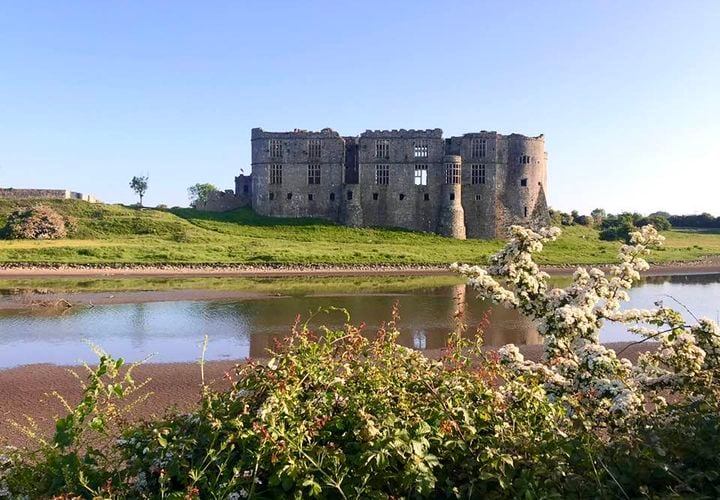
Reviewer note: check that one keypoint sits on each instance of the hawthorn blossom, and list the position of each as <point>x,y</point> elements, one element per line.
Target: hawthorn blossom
<point>569,319</point>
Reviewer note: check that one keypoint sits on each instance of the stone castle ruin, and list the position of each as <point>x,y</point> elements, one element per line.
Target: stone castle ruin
<point>470,186</point>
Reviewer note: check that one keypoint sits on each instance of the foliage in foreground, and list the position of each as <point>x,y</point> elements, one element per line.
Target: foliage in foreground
<point>339,415</point>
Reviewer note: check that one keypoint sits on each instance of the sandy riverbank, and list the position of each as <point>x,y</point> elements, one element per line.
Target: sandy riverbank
<point>25,391</point>
<point>26,271</point>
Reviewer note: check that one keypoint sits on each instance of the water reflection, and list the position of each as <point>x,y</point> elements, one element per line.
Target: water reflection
<point>240,329</point>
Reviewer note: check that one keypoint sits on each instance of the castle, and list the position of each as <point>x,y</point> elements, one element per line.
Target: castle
<point>470,186</point>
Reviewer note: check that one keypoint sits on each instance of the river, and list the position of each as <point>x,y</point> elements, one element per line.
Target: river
<point>172,331</point>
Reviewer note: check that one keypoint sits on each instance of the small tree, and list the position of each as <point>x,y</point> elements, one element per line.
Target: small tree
<point>599,215</point>
<point>199,193</point>
<point>139,184</point>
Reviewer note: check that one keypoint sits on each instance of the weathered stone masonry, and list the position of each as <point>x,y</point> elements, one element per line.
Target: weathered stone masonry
<point>471,186</point>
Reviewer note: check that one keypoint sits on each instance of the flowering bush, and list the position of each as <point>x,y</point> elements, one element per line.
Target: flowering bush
<point>606,394</point>
<point>335,414</point>
<point>36,223</point>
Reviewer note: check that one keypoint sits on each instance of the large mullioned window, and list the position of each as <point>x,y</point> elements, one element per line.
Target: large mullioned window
<point>314,148</point>
<point>313,174</point>
<point>382,174</point>
<point>382,148</point>
<point>452,173</point>
<point>421,175</point>
<point>275,147</point>
<point>275,174</point>
<point>477,174</point>
<point>421,148</point>
<point>478,148</point>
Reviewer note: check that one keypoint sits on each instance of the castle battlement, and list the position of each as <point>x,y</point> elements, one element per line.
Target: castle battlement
<point>403,133</point>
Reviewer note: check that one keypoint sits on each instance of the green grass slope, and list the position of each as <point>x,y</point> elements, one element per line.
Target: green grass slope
<point>114,234</point>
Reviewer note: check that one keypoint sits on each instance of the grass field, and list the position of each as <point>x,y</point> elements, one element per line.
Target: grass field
<point>113,234</point>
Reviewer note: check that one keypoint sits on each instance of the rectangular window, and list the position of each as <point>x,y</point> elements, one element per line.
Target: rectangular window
<point>452,173</point>
<point>477,174</point>
<point>310,197</point>
<point>272,196</point>
<point>421,148</point>
<point>275,174</point>
<point>314,174</point>
<point>275,147</point>
<point>375,196</point>
<point>426,197</point>
<point>523,182</point>
<point>421,175</point>
<point>382,148</point>
<point>382,174</point>
<point>314,148</point>
<point>478,148</point>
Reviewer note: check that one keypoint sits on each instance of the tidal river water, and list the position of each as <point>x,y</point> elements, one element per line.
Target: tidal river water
<point>172,331</point>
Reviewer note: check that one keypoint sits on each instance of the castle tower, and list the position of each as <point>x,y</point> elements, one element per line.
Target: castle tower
<point>523,191</point>
<point>351,213</point>
<point>452,215</point>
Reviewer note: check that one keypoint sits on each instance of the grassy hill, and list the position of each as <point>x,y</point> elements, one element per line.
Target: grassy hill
<point>114,234</point>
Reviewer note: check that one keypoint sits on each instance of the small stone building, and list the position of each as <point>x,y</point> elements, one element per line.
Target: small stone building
<point>470,186</point>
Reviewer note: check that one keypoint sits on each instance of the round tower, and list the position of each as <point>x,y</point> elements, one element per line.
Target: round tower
<point>452,217</point>
<point>351,211</point>
<point>526,180</point>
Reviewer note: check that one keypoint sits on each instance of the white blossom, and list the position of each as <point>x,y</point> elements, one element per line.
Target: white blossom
<point>575,363</point>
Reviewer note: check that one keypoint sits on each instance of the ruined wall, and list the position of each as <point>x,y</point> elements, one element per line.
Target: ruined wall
<point>295,196</point>
<point>401,203</point>
<point>46,194</point>
<point>224,201</point>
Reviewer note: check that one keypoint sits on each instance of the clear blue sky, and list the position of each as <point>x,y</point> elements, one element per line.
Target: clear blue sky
<point>627,93</point>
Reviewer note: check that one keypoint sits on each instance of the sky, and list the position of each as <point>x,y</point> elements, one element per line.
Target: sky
<point>626,93</point>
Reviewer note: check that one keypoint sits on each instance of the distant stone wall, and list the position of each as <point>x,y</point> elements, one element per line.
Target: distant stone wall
<point>44,194</point>
<point>224,201</point>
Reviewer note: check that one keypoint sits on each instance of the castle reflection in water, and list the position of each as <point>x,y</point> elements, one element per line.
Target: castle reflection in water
<point>425,321</point>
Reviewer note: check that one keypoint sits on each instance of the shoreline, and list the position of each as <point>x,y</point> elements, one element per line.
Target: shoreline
<point>708,265</point>
<point>26,391</point>
<point>64,299</point>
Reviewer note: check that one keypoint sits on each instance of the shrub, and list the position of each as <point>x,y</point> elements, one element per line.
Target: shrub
<point>36,223</point>
<point>617,228</point>
<point>659,222</point>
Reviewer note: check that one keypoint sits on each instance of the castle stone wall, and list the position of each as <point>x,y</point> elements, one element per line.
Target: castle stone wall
<point>294,195</point>
<point>397,178</point>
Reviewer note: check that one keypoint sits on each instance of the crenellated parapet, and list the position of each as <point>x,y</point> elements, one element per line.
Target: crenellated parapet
<point>259,133</point>
<point>434,133</point>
